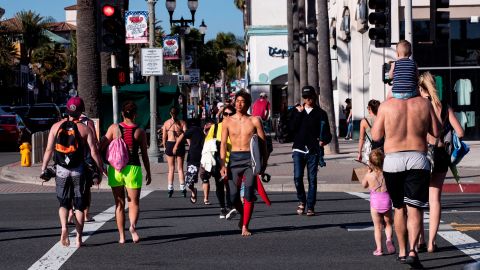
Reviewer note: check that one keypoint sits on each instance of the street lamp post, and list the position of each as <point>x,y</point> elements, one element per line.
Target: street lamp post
<point>153,152</point>
<point>184,30</point>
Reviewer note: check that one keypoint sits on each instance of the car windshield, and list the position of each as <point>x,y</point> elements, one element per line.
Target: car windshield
<point>46,112</point>
<point>7,121</point>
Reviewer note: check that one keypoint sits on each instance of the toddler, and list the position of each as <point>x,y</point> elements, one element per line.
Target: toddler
<point>404,73</point>
<point>380,203</point>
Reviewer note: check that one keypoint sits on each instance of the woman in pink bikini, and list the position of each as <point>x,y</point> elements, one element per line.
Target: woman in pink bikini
<point>380,203</point>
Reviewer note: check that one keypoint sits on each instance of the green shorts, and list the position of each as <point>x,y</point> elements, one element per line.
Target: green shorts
<point>130,177</point>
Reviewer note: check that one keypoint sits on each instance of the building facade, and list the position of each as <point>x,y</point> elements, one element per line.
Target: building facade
<point>356,63</point>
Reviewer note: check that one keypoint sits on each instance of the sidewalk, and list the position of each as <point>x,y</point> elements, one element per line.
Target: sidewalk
<point>335,177</point>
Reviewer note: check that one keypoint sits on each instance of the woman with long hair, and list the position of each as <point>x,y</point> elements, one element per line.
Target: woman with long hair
<point>441,158</point>
<point>365,139</point>
<point>171,131</point>
<point>130,177</point>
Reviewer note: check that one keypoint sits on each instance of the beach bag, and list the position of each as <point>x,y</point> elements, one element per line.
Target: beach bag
<point>459,149</point>
<point>67,151</point>
<point>117,153</point>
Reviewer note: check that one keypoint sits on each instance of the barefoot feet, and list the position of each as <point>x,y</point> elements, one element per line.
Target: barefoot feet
<point>135,237</point>
<point>64,240</point>
<point>245,231</point>
<point>79,240</point>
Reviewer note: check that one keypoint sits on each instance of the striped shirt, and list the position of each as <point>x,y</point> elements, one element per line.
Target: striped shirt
<point>405,76</point>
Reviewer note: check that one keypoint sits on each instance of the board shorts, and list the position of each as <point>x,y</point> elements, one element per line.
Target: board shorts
<point>70,187</point>
<point>130,176</point>
<point>191,175</point>
<point>407,176</point>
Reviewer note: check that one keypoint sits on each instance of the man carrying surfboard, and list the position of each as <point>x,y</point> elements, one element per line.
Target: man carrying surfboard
<point>241,128</point>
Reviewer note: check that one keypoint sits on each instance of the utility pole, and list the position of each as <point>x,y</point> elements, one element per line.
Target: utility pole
<point>153,149</point>
<point>408,22</point>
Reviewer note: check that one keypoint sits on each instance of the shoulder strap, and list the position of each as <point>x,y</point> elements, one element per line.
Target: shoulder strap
<point>366,134</point>
<point>368,123</point>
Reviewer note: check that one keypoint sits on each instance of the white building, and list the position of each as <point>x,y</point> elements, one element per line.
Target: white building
<point>357,64</point>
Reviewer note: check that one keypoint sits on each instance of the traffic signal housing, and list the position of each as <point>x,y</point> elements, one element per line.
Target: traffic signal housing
<point>381,33</point>
<point>439,21</point>
<point>117,76</point>
<point>110,25</point>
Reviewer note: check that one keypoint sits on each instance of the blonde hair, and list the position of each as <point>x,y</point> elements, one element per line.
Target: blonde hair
<point>375,158</point>
<point>426,82</point>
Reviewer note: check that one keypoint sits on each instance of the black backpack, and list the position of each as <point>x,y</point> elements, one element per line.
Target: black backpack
<point>284,135</point>
<point>68,151</point>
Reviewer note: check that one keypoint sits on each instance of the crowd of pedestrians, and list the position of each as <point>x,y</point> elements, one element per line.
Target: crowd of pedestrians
<point>230,146</point>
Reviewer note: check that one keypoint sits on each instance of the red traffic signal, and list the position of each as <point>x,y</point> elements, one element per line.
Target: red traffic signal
<point>116,76</point>
<point>108,10</point>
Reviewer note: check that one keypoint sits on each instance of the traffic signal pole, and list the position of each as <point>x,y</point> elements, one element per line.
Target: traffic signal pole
<point>153,152</point>
<point>408,22</point>
<point>113,59</point>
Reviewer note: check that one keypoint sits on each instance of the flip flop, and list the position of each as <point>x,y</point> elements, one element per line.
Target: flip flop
<point>207,202</point>
<point>193,199</point>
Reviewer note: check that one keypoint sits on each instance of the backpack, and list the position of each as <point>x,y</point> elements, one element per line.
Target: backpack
<point>68,151</point>
<point>117,153</point>
<point>284,135</point>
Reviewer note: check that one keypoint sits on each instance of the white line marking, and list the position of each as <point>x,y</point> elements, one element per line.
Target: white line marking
<point>461,241</point>
<point>58,254</point>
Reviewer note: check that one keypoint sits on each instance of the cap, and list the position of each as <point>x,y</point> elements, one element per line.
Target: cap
<point>263,94</point>
<point>75,106</point>
<point>308,91</point>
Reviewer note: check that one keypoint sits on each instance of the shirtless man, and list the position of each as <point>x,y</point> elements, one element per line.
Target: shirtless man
<point>70,180</point>
<point>405,125</point>
<point>240,128</point>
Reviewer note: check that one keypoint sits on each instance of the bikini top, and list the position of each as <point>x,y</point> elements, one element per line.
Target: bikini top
<point>175,133</point>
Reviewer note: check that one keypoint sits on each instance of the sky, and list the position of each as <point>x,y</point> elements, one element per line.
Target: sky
<point>219,15</point>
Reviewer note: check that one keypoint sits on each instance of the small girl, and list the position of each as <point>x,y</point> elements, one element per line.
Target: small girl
<point>380,203</point>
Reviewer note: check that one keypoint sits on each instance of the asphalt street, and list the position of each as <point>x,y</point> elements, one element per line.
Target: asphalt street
<point>178,235</point>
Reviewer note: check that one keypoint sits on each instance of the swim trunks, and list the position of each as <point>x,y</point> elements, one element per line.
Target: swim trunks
<point>70,187</point>
<point>407,175</point>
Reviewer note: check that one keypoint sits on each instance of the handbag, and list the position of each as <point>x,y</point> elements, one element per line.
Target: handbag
<point>459,149</point>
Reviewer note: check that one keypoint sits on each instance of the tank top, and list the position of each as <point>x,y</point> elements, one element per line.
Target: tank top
<point>404,76</point>
<point>132,145</point>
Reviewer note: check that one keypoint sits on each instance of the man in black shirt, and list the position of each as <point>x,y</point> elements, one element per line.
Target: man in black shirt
<point>309,124</point>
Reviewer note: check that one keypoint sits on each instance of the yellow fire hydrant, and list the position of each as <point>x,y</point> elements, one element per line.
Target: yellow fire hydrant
<point>26,158</point>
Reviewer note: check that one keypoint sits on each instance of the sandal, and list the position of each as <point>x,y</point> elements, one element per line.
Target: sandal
<point>193,199</point>
<point>378,252</point>
<point>300,209</point>
<point>310,213</point>
<point>390,247</point>
<point>207,202</point>
<point>401,259</point>
<point>413,261</point>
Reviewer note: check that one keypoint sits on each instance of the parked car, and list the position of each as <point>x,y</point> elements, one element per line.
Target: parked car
<point>42,116</point>
<point>13,130</point>
<point>21,110</point>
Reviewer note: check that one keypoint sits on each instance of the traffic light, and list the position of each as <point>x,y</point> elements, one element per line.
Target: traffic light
<point>110,25</point>
<point>381,19</point>
<point>117,76</point>
<point>439,21</point>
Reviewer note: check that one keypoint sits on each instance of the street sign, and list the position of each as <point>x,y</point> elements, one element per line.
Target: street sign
<point>192,77</point>
<point>152,61</point>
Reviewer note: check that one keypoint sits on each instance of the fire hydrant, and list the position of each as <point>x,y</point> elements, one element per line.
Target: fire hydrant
<point>25,154</point>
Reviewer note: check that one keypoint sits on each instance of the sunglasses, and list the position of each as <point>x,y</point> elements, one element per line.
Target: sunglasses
<point>228,114</point>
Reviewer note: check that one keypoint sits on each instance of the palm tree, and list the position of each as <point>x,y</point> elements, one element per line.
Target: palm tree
<point>88,62</point>
<point>49,63</point>
<point>33,28</point>
<point>8,51</point>
<point>242,6</point>
<point>325,71</point>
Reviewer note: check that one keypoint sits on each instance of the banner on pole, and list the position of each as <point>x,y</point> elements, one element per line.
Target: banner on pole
<point>136,26</point>
<point>171,48</point>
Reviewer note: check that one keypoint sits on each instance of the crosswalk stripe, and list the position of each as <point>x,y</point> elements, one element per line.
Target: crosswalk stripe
<point>58,254</point>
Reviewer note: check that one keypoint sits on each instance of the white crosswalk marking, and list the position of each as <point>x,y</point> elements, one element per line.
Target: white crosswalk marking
<point>58,254</point>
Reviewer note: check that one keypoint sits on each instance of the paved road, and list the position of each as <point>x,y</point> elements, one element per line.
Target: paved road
<point>178,235</point>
